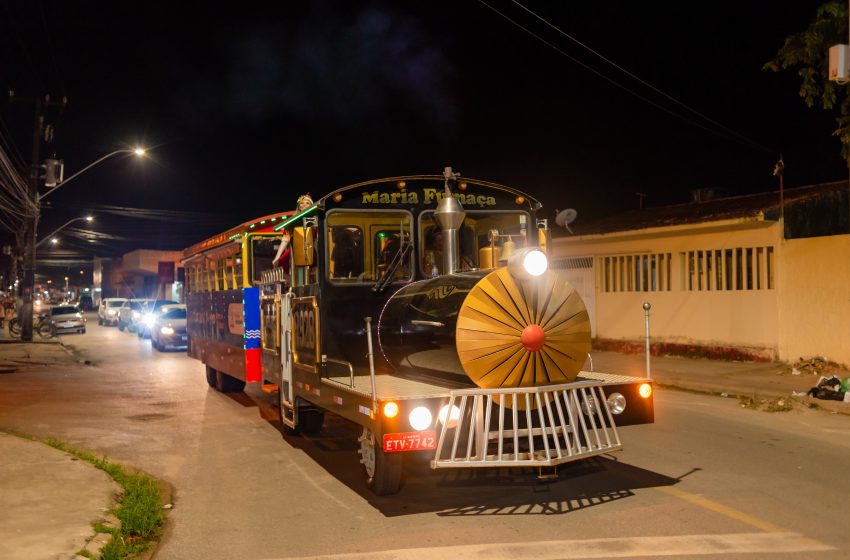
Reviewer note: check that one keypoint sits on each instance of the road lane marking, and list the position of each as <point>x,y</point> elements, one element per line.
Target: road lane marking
<point>734,543</point>
<point>726,511</point>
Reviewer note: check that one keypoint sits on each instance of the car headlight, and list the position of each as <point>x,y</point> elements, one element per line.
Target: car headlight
<point>528,263</point>
<point>420,418</point>
<point>136,315</point>
<point>148,319</point>
<point>166,330</point>
<point>110,312</point>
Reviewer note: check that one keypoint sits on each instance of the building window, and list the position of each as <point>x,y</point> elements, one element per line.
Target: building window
<point>740,268</point>
<point>647,272</point>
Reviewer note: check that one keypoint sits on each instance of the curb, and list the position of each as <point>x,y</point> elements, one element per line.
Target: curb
<point>807,402</point>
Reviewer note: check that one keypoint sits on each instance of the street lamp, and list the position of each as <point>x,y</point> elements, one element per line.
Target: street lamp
<point>60,228</point>
<point>31,226</point>
<point>139,152</point>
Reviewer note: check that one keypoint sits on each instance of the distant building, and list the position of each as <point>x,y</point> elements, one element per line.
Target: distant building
<point>720,275</point>
<point>143,273</point>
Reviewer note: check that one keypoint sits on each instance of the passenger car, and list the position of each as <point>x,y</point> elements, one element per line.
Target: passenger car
<point>107,311</point>
<point>131,313</point>
<point>65,318</point>
<point>169,328</point>
<point>149,315</point>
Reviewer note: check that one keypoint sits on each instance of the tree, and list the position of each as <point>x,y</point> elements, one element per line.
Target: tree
<point>808,52</point>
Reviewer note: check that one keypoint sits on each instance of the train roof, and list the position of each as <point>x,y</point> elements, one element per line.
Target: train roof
<point>260,225</point>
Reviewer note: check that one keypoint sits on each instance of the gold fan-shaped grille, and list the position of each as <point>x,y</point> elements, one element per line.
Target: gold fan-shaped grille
<point>497,311</point>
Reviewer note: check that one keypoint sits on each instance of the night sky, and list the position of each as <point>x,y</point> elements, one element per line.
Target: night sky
<point>246,108</point>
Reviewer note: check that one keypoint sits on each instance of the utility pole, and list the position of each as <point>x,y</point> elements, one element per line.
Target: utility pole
<point>31,228</point>
<point>30,225</point>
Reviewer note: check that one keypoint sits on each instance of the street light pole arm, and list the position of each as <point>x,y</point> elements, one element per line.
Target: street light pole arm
<point>57,230</point>
<point>83,170</point>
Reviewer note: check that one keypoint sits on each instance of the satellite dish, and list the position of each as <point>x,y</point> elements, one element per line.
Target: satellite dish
<point>565,217</point>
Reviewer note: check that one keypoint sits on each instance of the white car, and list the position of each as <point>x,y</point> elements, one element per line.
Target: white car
<point>107,311</point>
<point>169,328</point>
<point>65,318</point>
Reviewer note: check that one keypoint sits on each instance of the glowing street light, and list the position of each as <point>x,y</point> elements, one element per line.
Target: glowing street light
<point>54,240</point>
<point>138,152</point>
<point>31,228</point>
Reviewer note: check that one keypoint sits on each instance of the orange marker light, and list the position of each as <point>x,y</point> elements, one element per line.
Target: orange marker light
<point>645,390</point>
<point>390,410</point>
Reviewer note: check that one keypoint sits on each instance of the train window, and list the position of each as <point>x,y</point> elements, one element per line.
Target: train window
<point>389,250</point>
<point>269,317</point>
<point>366,247</point>
<point>263,250</point>
<point>482,234</point>
<point>220,278</point>
<point>346,252</point>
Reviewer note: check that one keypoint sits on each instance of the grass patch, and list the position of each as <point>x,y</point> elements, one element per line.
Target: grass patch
<point>140,511</point>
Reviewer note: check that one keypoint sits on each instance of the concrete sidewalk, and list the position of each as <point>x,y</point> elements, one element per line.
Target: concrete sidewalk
<point>757,380</point>
<point>49,500</point>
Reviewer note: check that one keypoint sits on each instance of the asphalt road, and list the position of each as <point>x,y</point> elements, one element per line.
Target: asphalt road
<point>708,478</point>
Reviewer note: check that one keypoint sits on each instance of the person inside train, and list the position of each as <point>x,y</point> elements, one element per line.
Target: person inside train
<point>282,257</point>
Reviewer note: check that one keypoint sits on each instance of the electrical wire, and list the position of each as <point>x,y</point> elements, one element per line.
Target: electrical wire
<point>726,131</point>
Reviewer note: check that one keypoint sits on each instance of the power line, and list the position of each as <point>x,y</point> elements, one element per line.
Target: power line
<point>726,131</point>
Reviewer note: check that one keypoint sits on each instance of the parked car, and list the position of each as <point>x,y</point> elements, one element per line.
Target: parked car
<point>169,328</point>
<point>131,313</point>
<point>65,318</point>
<point>107,312</point>
<point>149,315</point>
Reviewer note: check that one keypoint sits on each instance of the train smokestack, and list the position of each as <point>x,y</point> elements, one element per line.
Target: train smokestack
<point>449,216</point>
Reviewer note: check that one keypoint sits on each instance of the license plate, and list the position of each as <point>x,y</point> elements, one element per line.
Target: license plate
<point>410,441</point>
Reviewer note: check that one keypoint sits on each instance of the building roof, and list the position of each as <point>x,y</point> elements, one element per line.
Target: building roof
<point>761,206</point>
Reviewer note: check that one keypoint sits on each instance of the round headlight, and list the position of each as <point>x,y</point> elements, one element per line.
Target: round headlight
<point>166,330</point>
<point>535,263</point>
<point>449,417</point>
<point>420,418</point>
<point>589,406</point>
<point>616,403</point>
<point>527,263</point>
<point>645,390</point>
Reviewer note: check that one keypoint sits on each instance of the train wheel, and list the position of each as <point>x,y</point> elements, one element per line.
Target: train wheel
<point>383,470</point>
<point>211,378</point>
<point>228,384</point>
